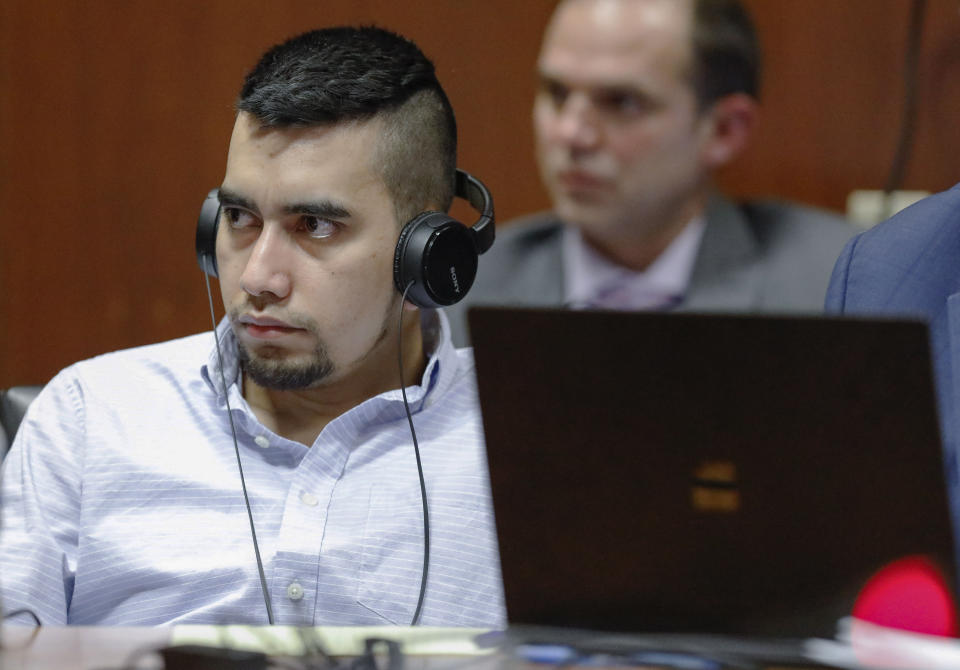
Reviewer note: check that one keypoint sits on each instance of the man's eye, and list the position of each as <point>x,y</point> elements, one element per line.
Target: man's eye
<point>624,103</point>
<point>629,104</point>
<point>555,92</point>
<point>319,228</point>
<point>238,218</point>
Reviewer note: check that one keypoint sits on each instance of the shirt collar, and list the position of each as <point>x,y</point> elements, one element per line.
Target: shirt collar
<point>439,373</point>
<point>588,273</point>
<point>225,347</point>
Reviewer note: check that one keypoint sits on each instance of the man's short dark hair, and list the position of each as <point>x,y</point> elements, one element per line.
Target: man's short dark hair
<point>338,75</point>
<point>726,51</point>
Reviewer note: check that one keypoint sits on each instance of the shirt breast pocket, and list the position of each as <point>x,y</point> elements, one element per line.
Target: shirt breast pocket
<point>391,561</point>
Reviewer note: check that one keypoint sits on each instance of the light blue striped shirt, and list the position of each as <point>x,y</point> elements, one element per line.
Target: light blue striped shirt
<point>122,504</point>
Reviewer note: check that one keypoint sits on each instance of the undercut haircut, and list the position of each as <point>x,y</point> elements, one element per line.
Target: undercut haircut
<point>358,74</point>
<point>726,51</point>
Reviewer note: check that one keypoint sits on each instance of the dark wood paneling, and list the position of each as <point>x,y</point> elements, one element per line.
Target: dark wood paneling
<point>114,122</point>
<point>833,97</point>
<point>115,118</point>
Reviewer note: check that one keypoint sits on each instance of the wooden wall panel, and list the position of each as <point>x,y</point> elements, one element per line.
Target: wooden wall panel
<point>115,118</point>
<point>114,122</point>
<point>833,94</point>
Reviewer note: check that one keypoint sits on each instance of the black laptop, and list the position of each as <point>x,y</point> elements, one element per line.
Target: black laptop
<point>705,474</point>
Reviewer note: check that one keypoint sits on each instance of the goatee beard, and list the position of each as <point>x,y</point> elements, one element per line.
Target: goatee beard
<point>268,368</point>
<point>282,375</point>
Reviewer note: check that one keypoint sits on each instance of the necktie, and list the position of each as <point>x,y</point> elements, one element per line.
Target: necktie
<point>628,297</point>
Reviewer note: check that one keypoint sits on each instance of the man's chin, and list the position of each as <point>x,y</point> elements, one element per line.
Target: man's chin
<point>584,214</point>
<point>272,370</point>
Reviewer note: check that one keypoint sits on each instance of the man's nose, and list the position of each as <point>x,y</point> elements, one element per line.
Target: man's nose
<point>267,271</point>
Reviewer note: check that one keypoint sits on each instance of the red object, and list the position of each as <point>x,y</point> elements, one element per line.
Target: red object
<point>909,594</point>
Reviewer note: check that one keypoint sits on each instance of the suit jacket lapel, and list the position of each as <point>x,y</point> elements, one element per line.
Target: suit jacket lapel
<point>539,279</point>
<point>726,274</point>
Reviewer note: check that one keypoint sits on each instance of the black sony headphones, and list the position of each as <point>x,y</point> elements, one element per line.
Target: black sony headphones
<point>434,251</point>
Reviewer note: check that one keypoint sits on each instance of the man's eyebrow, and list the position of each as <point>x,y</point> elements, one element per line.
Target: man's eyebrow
<point>323,209</point>
<point>615,87</point>
<point>230,198</point>
<point>547,79</point>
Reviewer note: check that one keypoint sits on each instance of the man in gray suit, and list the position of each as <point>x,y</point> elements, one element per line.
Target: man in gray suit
<point>639,103</point>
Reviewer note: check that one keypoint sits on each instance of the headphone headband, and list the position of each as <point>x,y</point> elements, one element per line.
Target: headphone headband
<point>473,191</point>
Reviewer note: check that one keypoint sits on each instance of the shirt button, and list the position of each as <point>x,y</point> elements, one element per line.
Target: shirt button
<point>308,498</point>
<point>295,591</point>
<point>262,441</point>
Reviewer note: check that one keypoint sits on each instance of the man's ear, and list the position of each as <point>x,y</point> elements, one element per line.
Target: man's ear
<point>730,123</point>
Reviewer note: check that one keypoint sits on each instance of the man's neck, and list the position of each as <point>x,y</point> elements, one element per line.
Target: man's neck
<point>300,415</point>
<point>637,244</point>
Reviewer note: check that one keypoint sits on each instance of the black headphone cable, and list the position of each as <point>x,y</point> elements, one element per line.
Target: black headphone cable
<point>236,448</point>
<point>416,451</point>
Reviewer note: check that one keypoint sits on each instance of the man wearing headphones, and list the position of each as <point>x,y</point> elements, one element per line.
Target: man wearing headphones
<point>124,492</point>
<point>640,102</point>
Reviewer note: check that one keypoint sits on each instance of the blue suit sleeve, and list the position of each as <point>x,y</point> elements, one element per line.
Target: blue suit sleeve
<point>837,290</point>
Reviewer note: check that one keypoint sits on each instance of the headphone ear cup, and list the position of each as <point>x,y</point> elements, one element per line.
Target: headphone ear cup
<point>206,241</point>
<point>438,254</point>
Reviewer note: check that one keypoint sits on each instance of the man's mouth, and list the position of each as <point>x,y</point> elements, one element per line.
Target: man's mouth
<point>580,180</point>
<point>264,327</point>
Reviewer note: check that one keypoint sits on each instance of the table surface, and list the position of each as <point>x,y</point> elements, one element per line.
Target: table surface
<point>116,647</point>
<point>76,647</point>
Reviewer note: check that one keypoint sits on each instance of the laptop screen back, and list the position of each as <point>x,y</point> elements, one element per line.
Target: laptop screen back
<point>705,473</point>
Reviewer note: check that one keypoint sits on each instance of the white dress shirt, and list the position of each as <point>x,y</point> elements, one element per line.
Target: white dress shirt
<point>122,502</point>
<point>592,280</point>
